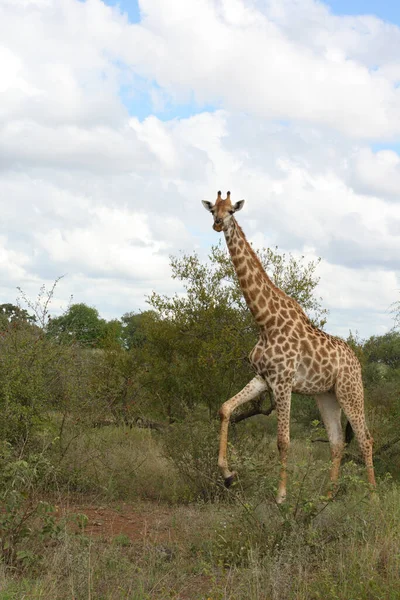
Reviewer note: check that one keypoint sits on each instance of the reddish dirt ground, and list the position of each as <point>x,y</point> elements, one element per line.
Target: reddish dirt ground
<point>168,529</point>
<point>137,522</point>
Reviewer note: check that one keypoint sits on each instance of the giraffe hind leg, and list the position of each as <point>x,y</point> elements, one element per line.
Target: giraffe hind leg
<point>282,394</point>
<point>330,411</point>
<point>351,398</point>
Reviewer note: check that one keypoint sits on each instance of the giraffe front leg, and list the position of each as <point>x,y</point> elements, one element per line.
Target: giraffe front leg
<point>282,400</point>
<point>250,391</point>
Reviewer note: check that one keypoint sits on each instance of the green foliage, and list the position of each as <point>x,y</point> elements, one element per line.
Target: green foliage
<point>119,463</point>
<point>357,345</point>
<point>121,540</point>
<point>24,516</point>
<point>38,376</point>
<point>197,344</point>
<point>187,364</point>
<point>383,349</point>
<point>215,282</point>
<point>82,324</point>
<point>24,389</point>
<point>178,362</point>
<point>304,410</point>
<point>112,335</point>
<point>23,361</point>
<point>241,552</point>
<point>133,329</point>
<point>11,313</point>
<point>292,550</point>
<point>380,358</point>
<point>114,385</point>
<point>193,448</point>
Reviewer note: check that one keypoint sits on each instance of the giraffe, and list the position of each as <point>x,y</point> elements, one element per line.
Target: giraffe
<point>291,355</point>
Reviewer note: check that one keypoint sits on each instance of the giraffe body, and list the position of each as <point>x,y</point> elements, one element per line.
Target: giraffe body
<point>291,355</point>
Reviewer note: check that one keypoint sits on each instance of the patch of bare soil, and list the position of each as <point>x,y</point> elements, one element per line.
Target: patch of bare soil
<point>168,531</point>
<point>137,522</point>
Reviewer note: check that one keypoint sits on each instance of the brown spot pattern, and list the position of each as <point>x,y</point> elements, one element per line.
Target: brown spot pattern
<point>294,356</point>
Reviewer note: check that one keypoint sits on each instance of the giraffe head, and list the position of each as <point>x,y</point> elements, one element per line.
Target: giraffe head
<point>222,211</point>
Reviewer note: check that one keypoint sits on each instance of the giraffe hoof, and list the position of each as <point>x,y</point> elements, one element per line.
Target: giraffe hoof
<point>228,480</point>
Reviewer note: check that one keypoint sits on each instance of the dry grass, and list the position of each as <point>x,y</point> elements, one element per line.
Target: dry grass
<point>121,463</point>
<point>216,552</point>
<point>241,547</point>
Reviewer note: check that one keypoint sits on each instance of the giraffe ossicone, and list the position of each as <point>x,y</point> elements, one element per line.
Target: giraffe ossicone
<point>291,355</point>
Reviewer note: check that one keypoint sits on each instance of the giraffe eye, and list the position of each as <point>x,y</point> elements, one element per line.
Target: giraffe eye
<point>231,212</point>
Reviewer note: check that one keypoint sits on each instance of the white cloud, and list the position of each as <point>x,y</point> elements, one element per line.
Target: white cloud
<point>358,300</point>
<point>377,173</point>
<point>57,65</point>
<point>268,65</point>
<point>89,190</point>
<point>362,38</point>
<point>115,243</point>
<point>366,289</point>
<point>13,264</point>
<point>96,148</point>
<point>291,60</point>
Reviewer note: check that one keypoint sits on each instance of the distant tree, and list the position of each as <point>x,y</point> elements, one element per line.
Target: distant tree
<point>133,330</point>
<point>81,323</point>
<point>357,345</point>
<point>383,349</point>
<point>10,313</point>
<point>216,282</point>
<point>112,335</point>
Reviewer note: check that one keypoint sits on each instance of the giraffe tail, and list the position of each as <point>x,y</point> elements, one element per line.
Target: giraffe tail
<point>349,434</point>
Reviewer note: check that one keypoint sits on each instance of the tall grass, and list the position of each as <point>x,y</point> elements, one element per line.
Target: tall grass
<point>117,463</point>
<point>343,555</point>
<point>235,544</point>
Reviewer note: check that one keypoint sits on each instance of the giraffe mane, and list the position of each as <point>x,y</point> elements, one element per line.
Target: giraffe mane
<point>266,276</point>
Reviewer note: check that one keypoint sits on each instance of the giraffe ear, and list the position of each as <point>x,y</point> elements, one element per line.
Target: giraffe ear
<point>207,205</point>
<point>238,205</point>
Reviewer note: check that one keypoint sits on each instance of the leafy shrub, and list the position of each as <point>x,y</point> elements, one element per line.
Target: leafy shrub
<point>193,449</point>
<point>25,517</point>
<point>120,463</point>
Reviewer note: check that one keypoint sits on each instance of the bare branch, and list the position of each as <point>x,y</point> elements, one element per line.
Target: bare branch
<point>255,409</point>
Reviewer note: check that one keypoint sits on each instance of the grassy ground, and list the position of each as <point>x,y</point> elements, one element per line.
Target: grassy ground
<point>158,528</point>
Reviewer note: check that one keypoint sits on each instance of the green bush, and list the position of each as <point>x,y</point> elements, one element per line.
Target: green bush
<point>193,449</point>
<point>120,463</point>
<point>26,520</point>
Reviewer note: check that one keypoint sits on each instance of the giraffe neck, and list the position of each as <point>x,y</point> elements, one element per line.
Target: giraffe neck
<point>262,296</point>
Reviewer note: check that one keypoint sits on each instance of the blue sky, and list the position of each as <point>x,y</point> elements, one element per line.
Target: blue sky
<point>130,7</point>
<point>111,197</point>
<point>389,10</point>
<point>140,103</point>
